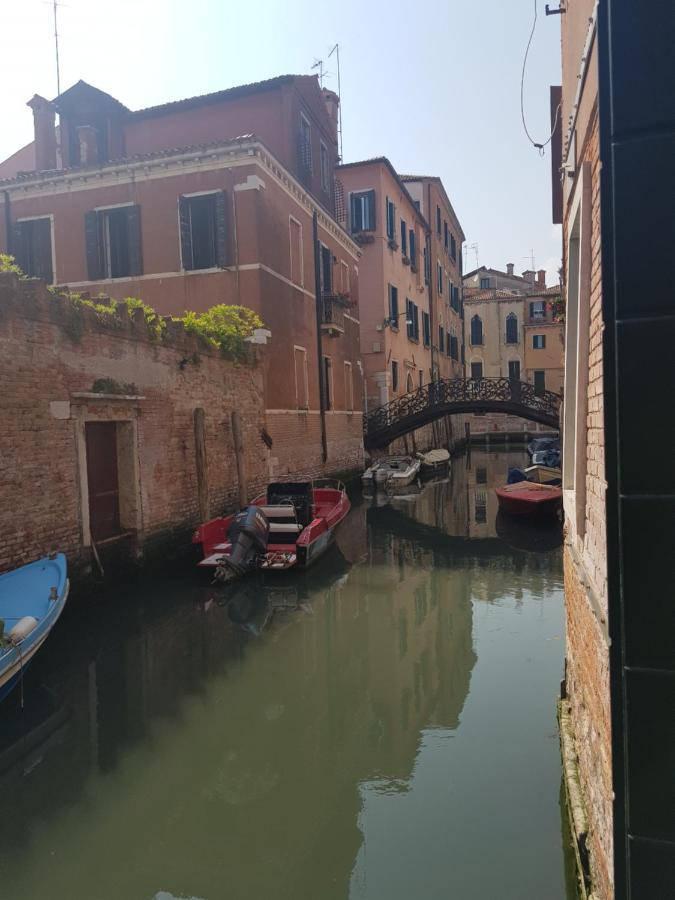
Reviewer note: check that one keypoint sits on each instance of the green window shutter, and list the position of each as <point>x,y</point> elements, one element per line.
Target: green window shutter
<point>221,230</point>
<point>134,238</point>
<point>185,233</point>
<point>371,210</point>
<point>92,237</point>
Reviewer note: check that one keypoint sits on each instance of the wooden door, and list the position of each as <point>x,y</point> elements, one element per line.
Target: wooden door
<point>102,478</point>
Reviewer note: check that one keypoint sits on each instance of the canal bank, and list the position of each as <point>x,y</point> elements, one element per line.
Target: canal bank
<point>381,727</point>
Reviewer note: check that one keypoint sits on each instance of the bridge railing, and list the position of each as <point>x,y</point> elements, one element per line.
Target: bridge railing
<point>464,390</point>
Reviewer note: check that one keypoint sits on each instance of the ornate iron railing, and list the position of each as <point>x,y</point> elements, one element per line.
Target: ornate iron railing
<point>333,311</point>
<point>506,395</point>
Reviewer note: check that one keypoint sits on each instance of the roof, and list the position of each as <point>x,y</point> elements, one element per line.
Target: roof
<point>84,89</point>
<point>242,90</point>
<point>471,294</point>
<point>382,160</point>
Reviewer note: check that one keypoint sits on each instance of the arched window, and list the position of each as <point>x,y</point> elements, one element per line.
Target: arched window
<point>409,383</point>
<point>511,329</point>
<point>476,330</point>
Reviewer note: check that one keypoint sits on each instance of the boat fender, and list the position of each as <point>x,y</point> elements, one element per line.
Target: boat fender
<point>22,629</point>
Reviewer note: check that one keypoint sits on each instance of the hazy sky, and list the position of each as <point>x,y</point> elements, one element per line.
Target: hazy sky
<point>433,85</point>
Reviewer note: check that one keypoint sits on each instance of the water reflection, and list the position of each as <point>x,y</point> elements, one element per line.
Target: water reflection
<point>234,742</point>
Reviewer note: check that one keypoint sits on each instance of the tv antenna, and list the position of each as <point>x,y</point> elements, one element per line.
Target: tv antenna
<point>55,7</point>
<point>473,247</point>
<point>530,258</point>
<point>318,64</point>
<point>336,51</point>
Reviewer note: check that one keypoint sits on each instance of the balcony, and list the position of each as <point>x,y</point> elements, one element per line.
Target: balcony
<point>333,314</point>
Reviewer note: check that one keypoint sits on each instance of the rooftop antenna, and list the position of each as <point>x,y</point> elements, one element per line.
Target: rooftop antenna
<point>473,247</point>
<point>336,51</point>
<point>56,47</point>
<point>318,64</point>
<point>530,259</point>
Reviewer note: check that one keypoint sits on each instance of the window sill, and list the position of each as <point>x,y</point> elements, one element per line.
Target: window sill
<point>208,271</point>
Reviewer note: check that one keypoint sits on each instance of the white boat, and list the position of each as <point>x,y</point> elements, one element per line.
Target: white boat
<point>433,460</point>
<point>543,474</point>
<point>397,471</point>
<point>368,477</point>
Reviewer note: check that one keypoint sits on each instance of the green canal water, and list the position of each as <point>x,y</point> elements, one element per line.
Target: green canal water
<point>382,727</point>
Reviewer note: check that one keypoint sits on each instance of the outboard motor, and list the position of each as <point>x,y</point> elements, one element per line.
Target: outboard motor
<point>248,535</point>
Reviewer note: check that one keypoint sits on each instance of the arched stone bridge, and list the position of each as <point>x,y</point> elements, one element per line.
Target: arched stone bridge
<point>383,425</point>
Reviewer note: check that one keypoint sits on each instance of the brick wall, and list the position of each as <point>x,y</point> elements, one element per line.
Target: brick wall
<point>49,361</point>
<point>585,557</point>
<point>296,446</point>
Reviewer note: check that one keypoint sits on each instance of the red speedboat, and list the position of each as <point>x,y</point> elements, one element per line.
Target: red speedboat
<point>528,498</point>
<point>291,525</point>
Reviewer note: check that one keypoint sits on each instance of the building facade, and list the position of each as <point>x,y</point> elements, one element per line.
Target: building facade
<point>395,319</point>
<point>225,219</point>
<point>485,279</point>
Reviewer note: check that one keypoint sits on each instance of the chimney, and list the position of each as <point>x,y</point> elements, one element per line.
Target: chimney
<point>332,101</point>
<point>45,133</point>
<point>541,277</point>
<point>509,268</point>
<point>88,143</point>
<point>528,275</point>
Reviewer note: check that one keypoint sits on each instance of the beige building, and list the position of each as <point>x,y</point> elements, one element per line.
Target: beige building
<point>484,279</point>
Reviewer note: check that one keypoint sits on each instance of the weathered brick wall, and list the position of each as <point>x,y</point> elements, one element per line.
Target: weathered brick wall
<point>587,660</point>
<point>296,446</point>
<point>49,356</point>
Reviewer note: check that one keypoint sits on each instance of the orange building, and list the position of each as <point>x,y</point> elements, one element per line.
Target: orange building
<point>225,198</point>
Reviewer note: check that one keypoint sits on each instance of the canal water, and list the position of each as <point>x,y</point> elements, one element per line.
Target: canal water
<point>381,727</point>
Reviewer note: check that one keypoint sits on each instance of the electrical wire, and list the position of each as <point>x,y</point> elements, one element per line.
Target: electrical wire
<point>539,147</point>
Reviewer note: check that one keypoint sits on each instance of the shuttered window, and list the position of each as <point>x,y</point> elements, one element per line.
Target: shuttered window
<point>404,238</point>
<point>476,331</point>
<point>441,339</point>
<point>476,369</point>
<point>511,329</point>
<point>438,220</point>
<point>426,329</point>
<point>539,382</point>
<point>202,231</point>
<point>427,270</point>
<point>32,248</point>
<point>393,306</point>
<point>439,270</point>
<point>413,249</point>
<point>326,269</point>
<point>305,145</point>
<point>412,320</point>
<point>362,211</point>
<point>394,375</point>
<point>391,220</point>
<point>453,247</point>
<point>538,341</point>
<point>113,242</point>
<point>445,234</point>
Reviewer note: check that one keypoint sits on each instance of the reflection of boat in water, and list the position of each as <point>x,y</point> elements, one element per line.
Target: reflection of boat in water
<point>29,732</point>
<point>537,536</point>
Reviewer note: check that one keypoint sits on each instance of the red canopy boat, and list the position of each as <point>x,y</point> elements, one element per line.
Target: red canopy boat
<point>527,498</point>
<point>291,525</point>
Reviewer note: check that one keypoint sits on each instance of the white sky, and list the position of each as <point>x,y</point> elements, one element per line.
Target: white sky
<point>433,85</point>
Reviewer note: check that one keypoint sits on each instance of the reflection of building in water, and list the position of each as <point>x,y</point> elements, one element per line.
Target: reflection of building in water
<point>187,736</point>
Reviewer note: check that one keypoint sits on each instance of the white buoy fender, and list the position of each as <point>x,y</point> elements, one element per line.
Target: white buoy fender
<point>22,629</point>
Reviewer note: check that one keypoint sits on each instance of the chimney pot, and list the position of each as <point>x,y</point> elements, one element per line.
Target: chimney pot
<point>45,133</point>
<point>541,277</point>
<point>332,102</point>
<point>509,268</point>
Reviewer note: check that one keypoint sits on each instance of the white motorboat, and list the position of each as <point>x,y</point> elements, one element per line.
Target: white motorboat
<point>434,460</point>
<point>397,471</point>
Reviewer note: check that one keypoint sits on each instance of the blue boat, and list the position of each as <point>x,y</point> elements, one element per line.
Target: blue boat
<point>32,598</point>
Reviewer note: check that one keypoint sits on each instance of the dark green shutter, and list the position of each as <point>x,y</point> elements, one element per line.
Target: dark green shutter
<point>134,237</point>
<point>185,233</point>
<point>93,244</point>
<point>356,213</point>
<point>18,247</point>
<point>221,230</point>
<point>371,211</point>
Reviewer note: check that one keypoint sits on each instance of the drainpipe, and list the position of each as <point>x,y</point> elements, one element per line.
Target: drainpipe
<point>319,344</point>
<point>432,326</point>
<point>8,222</point>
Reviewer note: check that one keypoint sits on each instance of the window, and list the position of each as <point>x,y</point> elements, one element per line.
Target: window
<point>441,339</point>
<point>345,285</point>
<point>296,251</point>
<point>202,231</point>
<point>349,388</point>
<point>454,347</point>
<point>325,167</point>
<point>481,475</point>
<point>409,386</point>
<point>305,147</point>
<point>481,508</point>
<point>476,331</point>
<point>413,321</point>
<point>391,220</point>
<point>438,220</point>
<point>426,329</point>
<point>476,369</point>
<point>326,269</point>
<point>413,249</point>
<point>439,272</point>
<point>484,284</point>
<point>539,382</point>
<point>448,344</point>
<point>362,210</point>
<point>301,381</point>
<point>421,377</point>
<point>453,247</point>
<point>538,309</point>
<point>33,248</point>
<point>511,329</point>
<point>393,306</point>
<point>445,235</point>
<point>113,241</point>
<point>538,341</point>
<point>327,386</point>
<point>394,375</point>
<point>514,369</point>
<point>404,238</point>
<point>427,269</point>
<point>454,297</point>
